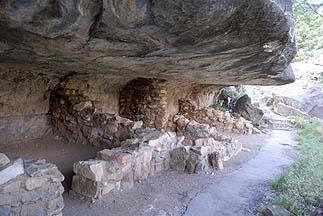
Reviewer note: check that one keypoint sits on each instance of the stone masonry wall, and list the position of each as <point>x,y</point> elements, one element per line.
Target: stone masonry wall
<point>145,100</point>
<point>222,121</point>
<point>150,151</point>
<point>30,188</point>
<point>119,168</point>
<point>197,134</point>
<point>76,118</point>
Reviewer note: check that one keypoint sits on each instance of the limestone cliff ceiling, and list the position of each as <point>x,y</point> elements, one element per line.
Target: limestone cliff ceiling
<point>205,41</point>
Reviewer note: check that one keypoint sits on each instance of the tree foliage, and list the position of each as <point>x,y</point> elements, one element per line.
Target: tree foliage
<point>309,29</point>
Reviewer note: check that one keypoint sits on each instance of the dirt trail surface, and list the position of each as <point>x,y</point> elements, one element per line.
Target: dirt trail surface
<point>234,191</point>
<point>54,150</point>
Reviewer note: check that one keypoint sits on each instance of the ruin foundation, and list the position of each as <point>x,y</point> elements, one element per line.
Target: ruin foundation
<point>30,187</point>
<point>151,151</point>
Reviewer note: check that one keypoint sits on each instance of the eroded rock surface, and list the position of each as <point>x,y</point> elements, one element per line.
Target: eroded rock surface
<point>306,105</point>
<point>246,109</point>
<point>208,42</point>
<point>103,48</point>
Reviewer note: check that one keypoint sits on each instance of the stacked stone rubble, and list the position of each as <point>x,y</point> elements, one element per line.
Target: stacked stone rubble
<point>119,168</point>
<point>31,187</point>
<point>149,152</point>
<point>221,120</point>
<point>75,117</point>
<point>203,135</point>
<point>202,148</point>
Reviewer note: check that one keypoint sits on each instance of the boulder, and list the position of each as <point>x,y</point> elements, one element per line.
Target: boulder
<point>210,142</point>
<point>197,161</point>
<point>35,182</point>
<point>86,187</point>
<point>247,110</point>
<point>316,111</point>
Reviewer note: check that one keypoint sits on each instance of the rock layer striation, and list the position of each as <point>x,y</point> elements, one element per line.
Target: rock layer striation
<point>210,42</point>
<point>135,58</point>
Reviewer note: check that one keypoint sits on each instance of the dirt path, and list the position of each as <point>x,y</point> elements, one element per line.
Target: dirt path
<point>230,192</point>
<point>233,193</point>
<point>54,150</point>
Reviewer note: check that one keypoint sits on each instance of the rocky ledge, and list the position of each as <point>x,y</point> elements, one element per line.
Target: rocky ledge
<point>209,42</point>
<point>134,58</point>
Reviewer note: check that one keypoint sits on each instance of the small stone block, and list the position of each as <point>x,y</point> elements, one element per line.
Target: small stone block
<point>4,160</point>
<point>12,171</point>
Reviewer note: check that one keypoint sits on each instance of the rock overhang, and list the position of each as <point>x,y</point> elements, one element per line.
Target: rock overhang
<point>194,41</point>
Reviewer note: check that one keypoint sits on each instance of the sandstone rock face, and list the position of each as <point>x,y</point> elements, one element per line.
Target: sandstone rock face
<point>310,103</point>
<point>36,189</point>
<point>104,48</point>
<point>211,42</point>
<point>285,110</point>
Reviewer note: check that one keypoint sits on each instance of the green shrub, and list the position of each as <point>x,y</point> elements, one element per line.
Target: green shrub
<point>219,107</point>
<point>279,184</point>
<point>232,92</point>
<point>283,201</point>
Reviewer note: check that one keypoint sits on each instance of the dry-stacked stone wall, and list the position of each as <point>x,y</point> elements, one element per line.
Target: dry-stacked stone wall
<point>75,117</point>
<point>145,100</point>
<point>31,187</point>
<point>120,168</point>
<point>197,134</point>
<point>197,150</point>
<point>221,120</point>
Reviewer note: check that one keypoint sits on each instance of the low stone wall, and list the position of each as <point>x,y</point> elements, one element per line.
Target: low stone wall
<point>75,117</point>
<point>31,187</point>
<point>197,134</point>
<point>222,121</point>
<point>119,168</point>
<point>149,152</point>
